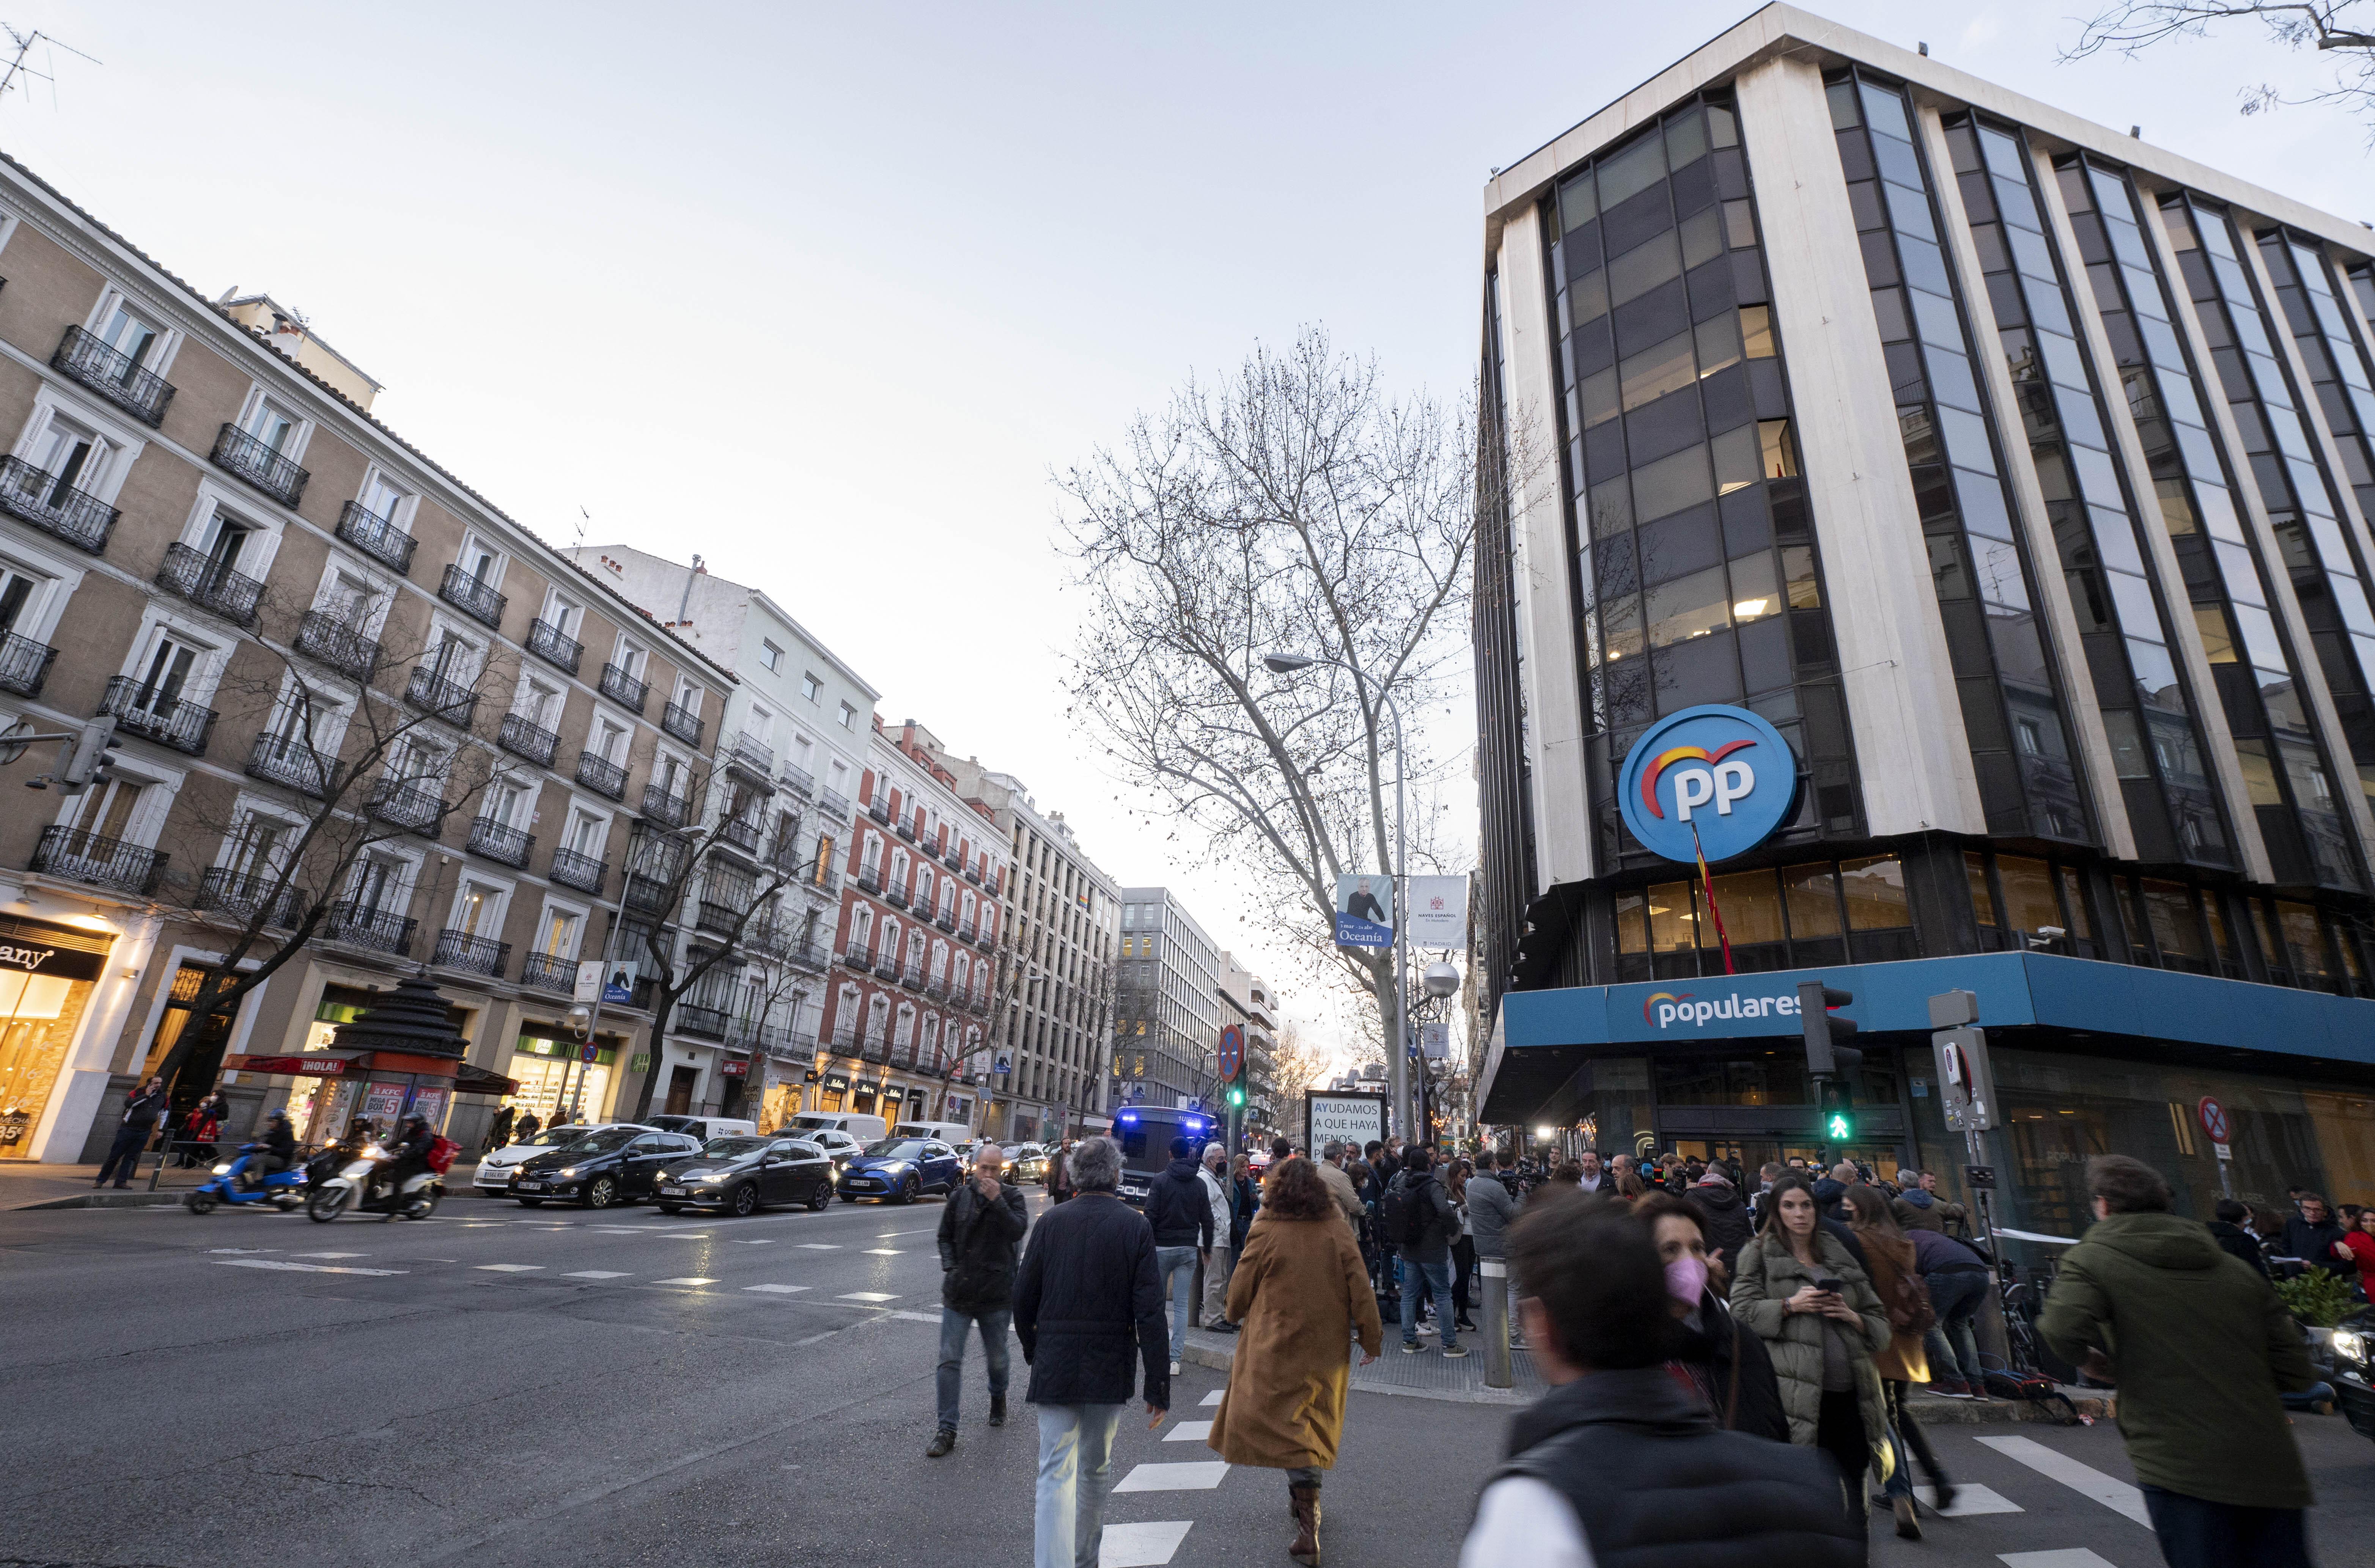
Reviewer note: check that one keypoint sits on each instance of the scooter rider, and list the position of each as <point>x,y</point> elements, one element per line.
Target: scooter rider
<point>408,1155</point>
<point>275,1149</point>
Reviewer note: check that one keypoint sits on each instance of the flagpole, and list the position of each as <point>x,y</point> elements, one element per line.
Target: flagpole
<point>1707,883</point>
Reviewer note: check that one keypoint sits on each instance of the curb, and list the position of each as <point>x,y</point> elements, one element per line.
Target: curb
<point>170,1198</point>
<point>1938,1411</point>
<point>1197,1355</point>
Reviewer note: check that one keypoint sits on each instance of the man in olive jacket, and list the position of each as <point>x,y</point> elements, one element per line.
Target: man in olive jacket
<point>980,1238</point>
<point>2199,1346</point>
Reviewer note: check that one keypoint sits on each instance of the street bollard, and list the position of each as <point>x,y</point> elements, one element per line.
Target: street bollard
<point>1494,1272</point>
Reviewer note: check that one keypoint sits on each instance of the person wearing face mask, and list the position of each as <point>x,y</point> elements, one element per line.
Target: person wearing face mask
<point>1718,1359</point>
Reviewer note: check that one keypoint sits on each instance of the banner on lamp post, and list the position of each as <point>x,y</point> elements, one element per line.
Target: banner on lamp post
<point>1364,912</point>
<point>1438,912</point>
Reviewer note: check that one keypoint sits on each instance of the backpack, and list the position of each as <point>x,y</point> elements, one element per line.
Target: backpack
<point>440,1154</point>
<point>1403,1212</point>
<point>1908,1301</point>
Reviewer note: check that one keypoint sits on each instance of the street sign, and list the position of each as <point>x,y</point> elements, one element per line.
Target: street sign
<point>13,740</point>
<point>1232,1050</point>
<point>588,1051</point>
<point>1364,912</point>
<point>2214,1119</point>
<point>1967,1084</point>
<point>589,981</point>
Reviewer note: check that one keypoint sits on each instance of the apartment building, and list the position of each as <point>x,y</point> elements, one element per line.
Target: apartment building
<point>917,951</point>
<point>1166,1003</point>
<point>1054,1013</point>
<point>1245,1001</point>
<point>792,738</point>
<point>349,691</point>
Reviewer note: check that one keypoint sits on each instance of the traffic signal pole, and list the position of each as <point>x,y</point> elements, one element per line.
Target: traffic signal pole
<point>1831,1062</point>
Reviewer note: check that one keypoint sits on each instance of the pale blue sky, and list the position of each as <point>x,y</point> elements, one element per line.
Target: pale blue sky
<point>826,291</point>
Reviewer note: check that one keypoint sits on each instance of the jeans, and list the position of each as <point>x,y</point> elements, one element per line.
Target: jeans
<point>954,1324</point>
<point>1435,1280</point>
<point>124,1156</point>
<point>1950,1343</point>
<point>1217,1269</point>
<point>1075,1473</point>
<point>2196,1533</point>
<point>1176,1266</point>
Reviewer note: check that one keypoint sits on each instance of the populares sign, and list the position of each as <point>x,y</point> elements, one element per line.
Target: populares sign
<point>1713,780</point>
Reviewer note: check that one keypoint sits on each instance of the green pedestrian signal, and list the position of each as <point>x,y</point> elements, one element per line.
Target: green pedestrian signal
<point>1840,1129</point>
<point>1839,1111</point>
<point>1237,1095</point>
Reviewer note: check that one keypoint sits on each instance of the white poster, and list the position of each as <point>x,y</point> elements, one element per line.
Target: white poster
<point>1438,912</point>
<point>1357,1119</point>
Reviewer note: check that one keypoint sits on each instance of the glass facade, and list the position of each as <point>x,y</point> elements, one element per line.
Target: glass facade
<point>1699,577</point>
<point>2010,695</point>
<point>2145,701</point>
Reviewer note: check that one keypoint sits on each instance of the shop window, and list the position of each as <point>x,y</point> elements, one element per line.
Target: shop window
<point>2304,945</point>
<point>1876,893</point>
<point>1983,900</point>
<point>1749,905</point>
<point>1673,920</point>
<point>2027,886</point>
<point>2176,927</point>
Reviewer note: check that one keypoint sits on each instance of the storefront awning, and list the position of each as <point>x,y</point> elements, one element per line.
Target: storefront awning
<point>468,1080</point>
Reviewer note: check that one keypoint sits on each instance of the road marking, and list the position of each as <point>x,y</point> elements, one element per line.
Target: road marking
<point>882,1251</point>
<point>595,1274</point>
<point>329,1255</point>
<point>1198,1475</point>
<point>916,1316</point>
<point>1141,1546</point>
<point>1189,1432</point>
<point>242,1249</point>
<point>1212,1399</point>
<point>303,1268</point>
<point>866,1296</point>
<point>2064,1557</point>
<point>754,1241</point>
<point>1969,1500</point>
<point>686,1279</point>
<point>618,1230</point>
<point>778,1290</point>
<point>889,1234</point>
<point>511,1267</point>
<point>820,1247</point>
<point>2111,1493</point>
<point>480,1224</point>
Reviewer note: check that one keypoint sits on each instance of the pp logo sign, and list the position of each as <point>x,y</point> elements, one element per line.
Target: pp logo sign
<point>1722,771</point>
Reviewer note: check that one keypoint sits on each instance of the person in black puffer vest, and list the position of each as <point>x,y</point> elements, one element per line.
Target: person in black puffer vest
<point>1616,1465</point>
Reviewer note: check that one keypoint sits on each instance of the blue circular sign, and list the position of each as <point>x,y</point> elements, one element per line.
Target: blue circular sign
<point>1720,770</point>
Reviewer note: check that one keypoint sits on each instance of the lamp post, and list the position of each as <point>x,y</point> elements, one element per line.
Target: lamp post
<point>1398,1079</point>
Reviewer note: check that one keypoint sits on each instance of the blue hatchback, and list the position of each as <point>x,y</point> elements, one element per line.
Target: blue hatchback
<point>901,1170</point>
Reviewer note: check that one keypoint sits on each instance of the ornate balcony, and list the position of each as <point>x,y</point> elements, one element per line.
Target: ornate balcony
<point>236,452</point>
<point>381,930</point>
<point>84,857</point>
<point>717,918</point>
<point>700,1019</point>
<point>24,665</point>
<point>114,376</point>
<point>857,955</point>
<point>472,955</point>
<point>844,1036</point>
<point>740,833</point>
<point>953,857</point>
<point>547,642</point>
<point>669,810</point>
<point>798,780</point>
<point>282,760</point>
<point>912,977</point>
<point>472,597</point>
<point>869,878</point>
<point>411,804</point>
<point>242,895</point>
<point>946,920</point>
<point>376,536</point>
<point>973,873</point>
<point>886,966</point>
<point>601,775</point>
<point>583,872</point>
<point>50,504</point>
<point>209,584</point>
<point>145,711</point>
<point>339,645</point>
<point>500,841</point>
<point>879,808</point>
<point>750,758</point>
<point>449,700</point>
<point>521,738</point>
<point>681,723</point>
<point>833,803</point>
<point>621,686</point>
<point>647,893</point>
<point>549,971</point>
<point>905,829</point>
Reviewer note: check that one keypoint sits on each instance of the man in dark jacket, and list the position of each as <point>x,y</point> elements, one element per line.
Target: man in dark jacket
<point>1180,1212</point>
<point>1427,1226</point>
<point>2199,1348</point>
<point>275,1149</point>
<point>1918,1207</point>
<point>2228,1232</point>
<point>1955,1275</point>
<point>981,1233</point>
<point>143,1109</point>
<point>1728,1226</point>
<point>1832,1187</point>
<point>1617,1466</point>
<point>2311,1234</point>
<point>1086,1297</point>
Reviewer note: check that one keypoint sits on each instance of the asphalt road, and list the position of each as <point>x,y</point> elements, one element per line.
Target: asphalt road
<point>556,1387</point>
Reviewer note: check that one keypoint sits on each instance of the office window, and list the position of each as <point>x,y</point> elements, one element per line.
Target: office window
<point>772,656</point>
<point>811,686</point>
<point>848,717</point>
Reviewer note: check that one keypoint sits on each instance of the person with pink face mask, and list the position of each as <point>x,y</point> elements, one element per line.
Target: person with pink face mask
<point>1719,1359</point>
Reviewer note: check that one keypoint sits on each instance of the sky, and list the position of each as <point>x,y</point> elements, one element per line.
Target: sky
<point>829,293</point>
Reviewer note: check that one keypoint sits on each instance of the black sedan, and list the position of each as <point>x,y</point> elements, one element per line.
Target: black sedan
<point>607,1165</point>
<point>742,1173</point>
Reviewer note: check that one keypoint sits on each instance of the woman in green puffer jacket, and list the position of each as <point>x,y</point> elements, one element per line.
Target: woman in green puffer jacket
<point>1821,1342</point>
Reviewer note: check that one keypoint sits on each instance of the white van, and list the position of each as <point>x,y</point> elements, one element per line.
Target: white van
<point>956,1135</point>
<point>863,1128</point>
<point>706,1127</point>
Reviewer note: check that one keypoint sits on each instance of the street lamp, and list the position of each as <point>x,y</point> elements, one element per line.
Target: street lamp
<point>1398,1084</point>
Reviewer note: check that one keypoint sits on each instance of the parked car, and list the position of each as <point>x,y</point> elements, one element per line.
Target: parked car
<point>607,1165</point>
<point>1030,1163</point>
<point>856,1124</point>
<point>742,1174</point>
<point>2352,1346</point>
<point>901,1170</point>
<point>704,1128</point>
<point>493,1176</point>
<point>838,1145</point>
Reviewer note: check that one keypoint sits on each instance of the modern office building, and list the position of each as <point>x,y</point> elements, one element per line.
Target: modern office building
<point>1166,1003</point>
<point>2017,473</point>
<point>1054,1013</point>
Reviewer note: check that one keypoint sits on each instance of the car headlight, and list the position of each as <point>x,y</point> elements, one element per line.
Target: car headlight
<point>2349,1345</point>
<point>569,1172</point>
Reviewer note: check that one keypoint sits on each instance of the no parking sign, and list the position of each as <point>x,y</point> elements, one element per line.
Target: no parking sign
<point>2213,1122</point>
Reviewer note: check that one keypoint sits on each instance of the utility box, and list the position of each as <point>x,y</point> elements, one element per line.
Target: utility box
<point>1966,1084</point>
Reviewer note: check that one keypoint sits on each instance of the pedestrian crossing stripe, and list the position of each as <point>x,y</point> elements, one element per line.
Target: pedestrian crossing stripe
<point>1214,1397</point>
<point>866,1296</point>
<point>778,1290</point>
<point>510,1268</point>
<point>305,1267</point>
<point>1196,1475</point>
<point>1189,1432</point>
<point>1969,1499</point>
<point>2110,1491</point>
<point>595,1274</point>
<point>1150,1545</point>
<point>687,1279</point>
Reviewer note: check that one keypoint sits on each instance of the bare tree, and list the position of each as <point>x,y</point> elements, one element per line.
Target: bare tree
<point>1292,507</point>
<point>2345,29</point>
<point>1295,1063</point>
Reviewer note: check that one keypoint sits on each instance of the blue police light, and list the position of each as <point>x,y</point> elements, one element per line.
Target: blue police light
<point>1129,1116</point>
<point>1712,777</point>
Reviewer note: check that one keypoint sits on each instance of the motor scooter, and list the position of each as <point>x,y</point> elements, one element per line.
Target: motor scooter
<point>282,1189</point>
<point>356,1185</point>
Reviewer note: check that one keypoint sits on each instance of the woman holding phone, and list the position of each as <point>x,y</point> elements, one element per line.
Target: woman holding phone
<point>1818,1316</point>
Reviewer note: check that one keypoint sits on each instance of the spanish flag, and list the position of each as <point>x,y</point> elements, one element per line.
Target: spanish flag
<point>1707,883</point>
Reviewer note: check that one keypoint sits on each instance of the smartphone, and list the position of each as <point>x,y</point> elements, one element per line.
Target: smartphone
<point>1828,1286</point>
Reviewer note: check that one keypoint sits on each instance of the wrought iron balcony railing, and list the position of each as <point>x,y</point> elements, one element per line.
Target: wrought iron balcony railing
<point>717,918</point>
<point>952,856</point>
<point>858,955</point>
<point>602,775</point>
<point>965,933</point>
<point>471,596</point>
<point>24,665</point>
<point>143,710</point>
<point>662,807</point>
<point>548,643</point>
<point>339,645</point>
<point>242,894</point>
<point>472,955</point>
<point>905,829</point>
<point>973,873</point>
<point>886,966</point>
<point>50,504</point>
<point>236,452</point>
<point>376,536</point>
<point>798,780</point>
<point>113,375</point>
<point>583,872</point>
<point>752,757</point>
<point>411,804</point>
<point>700,1018</point>
<point>83,856</point>
<point>871,879</point>
<point>280,760</point>
<point>501,840</point>
<point>549,971</point>
<point>681,723</point>
<point>209,584</point>
<point>740,833</point>
<point>844,1036</point>
<point>647,894</point>
<point>912,977</point>
<point>835,804</point>
<point>946,920</point>
<point>879,808</point>
<point>449,700</point>
<point>783,852</point>
<point>896,892</point>
<point>621,686</point>
<point>521,738</point>
<point>383,930</point>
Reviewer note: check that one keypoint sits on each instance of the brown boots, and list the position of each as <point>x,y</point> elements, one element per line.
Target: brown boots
<point>1307,1520</point>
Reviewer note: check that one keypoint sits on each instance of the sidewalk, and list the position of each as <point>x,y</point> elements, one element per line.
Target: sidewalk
<point>25,1185</point>
<point>1427,1376</point>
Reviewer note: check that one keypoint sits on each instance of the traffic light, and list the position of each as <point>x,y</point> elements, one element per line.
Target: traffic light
<point>1236,1094</point>
<point>1838,1112</point>
<point>1831,1063</point>
<point>91,756</point>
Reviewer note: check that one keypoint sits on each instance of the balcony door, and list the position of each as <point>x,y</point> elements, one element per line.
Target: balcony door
<point>167,676</point>
<point>130,336</point>
<point>478,911</point>
<point>384,501</point>
<point>71,457</point>
<point>271,427</point>
<point>106,812</point>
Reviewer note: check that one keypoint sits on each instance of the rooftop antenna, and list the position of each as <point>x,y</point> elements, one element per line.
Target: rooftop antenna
<point>584,517</point>
<point>24,42</point>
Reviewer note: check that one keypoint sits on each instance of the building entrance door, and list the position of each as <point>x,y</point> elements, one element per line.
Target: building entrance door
<point>680,1095</point>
